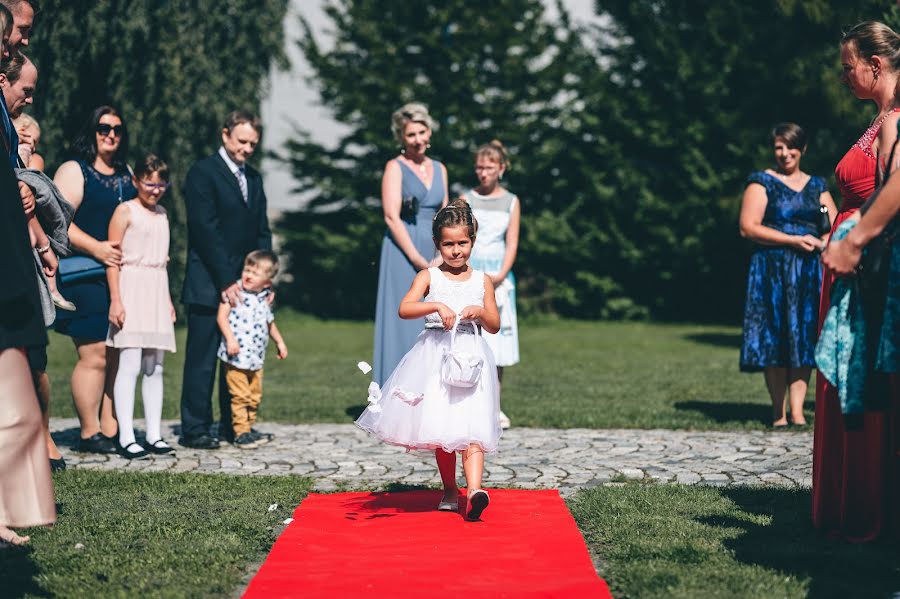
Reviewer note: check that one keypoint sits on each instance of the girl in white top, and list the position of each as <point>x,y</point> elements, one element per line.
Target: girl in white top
<point>498,214</point>
<point>416,408</point>
<point>141,314</point>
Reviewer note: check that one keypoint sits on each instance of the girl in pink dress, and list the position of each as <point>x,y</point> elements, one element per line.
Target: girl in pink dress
<point>141,315</point>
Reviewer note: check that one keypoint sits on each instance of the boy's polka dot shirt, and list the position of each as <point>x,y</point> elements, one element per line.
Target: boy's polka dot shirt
<point>249,322</point>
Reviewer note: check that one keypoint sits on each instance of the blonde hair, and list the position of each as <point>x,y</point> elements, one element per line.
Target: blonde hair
<point>873,38</point>
<point>26,120</point>
<point>264,259</point>
<point>493,150</point>
<point>414,112</point>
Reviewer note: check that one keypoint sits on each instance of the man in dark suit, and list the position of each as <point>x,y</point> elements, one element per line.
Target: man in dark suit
<point>226,218</point>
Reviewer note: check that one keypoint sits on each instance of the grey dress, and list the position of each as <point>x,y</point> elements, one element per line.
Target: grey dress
<point>394,336</point>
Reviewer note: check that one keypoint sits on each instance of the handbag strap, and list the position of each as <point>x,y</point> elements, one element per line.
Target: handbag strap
<point>453,331</point>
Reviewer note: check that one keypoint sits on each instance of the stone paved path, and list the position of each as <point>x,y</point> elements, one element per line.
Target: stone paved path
<point>341,456</point>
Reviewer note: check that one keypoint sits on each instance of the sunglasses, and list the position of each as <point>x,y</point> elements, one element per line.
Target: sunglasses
<point>103,129</point>
<point>155,186</point>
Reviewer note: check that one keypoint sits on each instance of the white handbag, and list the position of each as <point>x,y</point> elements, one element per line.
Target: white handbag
<point>461,368</point>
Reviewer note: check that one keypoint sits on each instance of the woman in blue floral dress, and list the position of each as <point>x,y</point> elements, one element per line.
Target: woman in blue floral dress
<point>780,214</point>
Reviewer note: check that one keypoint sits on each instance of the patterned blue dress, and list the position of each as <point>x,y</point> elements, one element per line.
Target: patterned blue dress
<point>102,195</point>
<point>393,335</point>
<point>782,306</point>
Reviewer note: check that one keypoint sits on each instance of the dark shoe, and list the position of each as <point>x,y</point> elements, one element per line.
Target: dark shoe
<point>97,443</point>
<point>201,441</point>
<point>261,438</point>
<point>478,502</point>
<point>57,465</point>
<point>159,447</point>
<point>245,441</point>
<point>133,455</point>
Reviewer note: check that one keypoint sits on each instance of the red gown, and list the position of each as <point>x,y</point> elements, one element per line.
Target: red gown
<point>855,472</point>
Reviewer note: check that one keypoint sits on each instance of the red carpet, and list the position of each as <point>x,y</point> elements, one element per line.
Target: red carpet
<point>397,545</point>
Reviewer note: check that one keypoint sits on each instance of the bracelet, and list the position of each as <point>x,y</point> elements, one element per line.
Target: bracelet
<point>43,250</point>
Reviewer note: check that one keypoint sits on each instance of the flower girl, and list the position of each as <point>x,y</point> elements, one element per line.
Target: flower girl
<point>444,394</point>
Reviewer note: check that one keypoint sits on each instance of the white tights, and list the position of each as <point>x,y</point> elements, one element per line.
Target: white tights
<point>134,361</point>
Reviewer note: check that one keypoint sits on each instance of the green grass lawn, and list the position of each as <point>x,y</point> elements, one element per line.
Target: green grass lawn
<point>151,535</point>
<point>164,535</point>
<point>572,374</point>
<point>679,541</point>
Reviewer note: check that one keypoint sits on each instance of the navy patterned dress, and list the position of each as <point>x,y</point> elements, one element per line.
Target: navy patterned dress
<point>781,313</point>
<point>102,195</point>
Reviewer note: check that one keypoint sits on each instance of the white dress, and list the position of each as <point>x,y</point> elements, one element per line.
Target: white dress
<point>414,408</point>
<point>492,214</point>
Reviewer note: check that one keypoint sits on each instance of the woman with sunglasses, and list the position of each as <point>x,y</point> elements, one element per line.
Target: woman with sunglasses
<point>95,182</point>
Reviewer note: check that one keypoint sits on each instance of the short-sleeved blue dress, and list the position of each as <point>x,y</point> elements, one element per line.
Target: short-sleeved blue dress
<point>394,336</point>
<point>781,313</point>
<point>102,195</point>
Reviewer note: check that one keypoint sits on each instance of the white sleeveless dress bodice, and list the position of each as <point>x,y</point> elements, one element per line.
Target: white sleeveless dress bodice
<point>456,294</point>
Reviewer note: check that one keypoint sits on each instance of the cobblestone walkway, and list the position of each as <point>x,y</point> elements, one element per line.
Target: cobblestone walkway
<point>341,456</point>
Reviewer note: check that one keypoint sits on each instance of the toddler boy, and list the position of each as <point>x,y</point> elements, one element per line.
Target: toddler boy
<point>246,329</point>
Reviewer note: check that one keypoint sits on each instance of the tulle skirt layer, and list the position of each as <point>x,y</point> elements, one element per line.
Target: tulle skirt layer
<point>416,410</point>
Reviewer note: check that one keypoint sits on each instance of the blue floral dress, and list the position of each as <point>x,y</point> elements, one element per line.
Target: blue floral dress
<point>782,306</point>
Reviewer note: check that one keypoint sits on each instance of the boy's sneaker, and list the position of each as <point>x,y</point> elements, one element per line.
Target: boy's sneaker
<point>261,438</point>
<point>245,441</point>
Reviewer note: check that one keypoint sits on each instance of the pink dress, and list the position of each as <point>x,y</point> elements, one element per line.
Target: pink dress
<point>144,282</point>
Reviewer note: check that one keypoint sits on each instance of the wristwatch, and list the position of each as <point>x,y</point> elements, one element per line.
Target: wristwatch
<point>43,250</point>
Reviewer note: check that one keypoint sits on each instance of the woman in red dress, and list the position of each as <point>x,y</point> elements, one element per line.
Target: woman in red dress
<point>854,463</point>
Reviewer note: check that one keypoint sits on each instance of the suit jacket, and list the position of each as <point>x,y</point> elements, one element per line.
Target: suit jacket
<point>222,228</point>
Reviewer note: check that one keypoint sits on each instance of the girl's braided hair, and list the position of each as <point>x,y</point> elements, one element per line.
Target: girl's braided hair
<point>455,214</point>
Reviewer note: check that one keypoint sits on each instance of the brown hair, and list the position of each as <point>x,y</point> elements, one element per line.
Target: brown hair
<point>149,165</point>
<point>792,134</point>
<point>493,150</point>
<point>239,117</point>
<point>455,214</point>
<point>11,66</point>
<point>264,258</point>
<point>873,38</point>
<point>6,20</point>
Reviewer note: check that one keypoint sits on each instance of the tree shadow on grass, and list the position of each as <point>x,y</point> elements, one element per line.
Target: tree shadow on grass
<point>788,543</point>
<point>19,573</point>
<point>724,412</point>
<point>732,340</point>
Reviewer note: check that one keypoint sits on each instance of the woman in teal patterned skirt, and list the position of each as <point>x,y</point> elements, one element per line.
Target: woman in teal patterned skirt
<point>497,211</point>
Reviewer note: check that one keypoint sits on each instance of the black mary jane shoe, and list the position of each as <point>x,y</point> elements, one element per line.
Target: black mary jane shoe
<point>96,443</point>
<point>57,465</point>
<point>159,447</point>
<point>133,455</point>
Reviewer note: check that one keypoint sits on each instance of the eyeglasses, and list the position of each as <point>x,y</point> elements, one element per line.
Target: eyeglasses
<point>103,129</point>
<point>155,186</point>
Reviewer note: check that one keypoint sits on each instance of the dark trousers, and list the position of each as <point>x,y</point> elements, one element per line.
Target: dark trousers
<point>200,363</point>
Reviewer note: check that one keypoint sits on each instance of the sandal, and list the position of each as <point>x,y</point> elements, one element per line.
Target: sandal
<point>448,506</point>
<point>159,447</point>
<point>134,455</point>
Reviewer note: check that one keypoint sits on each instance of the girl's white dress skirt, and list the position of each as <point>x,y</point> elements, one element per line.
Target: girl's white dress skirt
<point>416,410</point>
